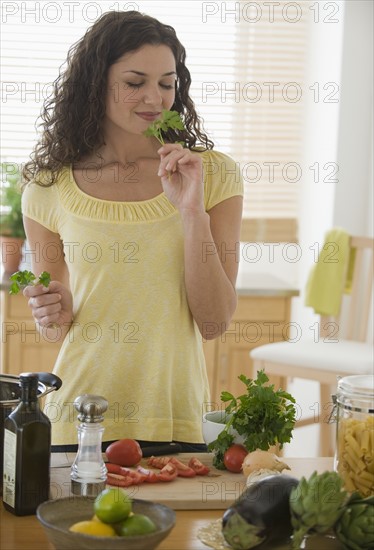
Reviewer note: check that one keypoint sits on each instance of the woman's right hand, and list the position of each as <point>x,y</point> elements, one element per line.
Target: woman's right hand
<point>52,305</point>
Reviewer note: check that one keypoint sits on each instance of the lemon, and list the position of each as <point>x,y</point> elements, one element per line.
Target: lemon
<point>137,524</point>
<point>94,528</point>
<point>112,505</point>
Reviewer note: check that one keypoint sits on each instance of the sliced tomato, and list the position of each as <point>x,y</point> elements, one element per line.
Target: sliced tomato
<point>123,477</point>
<point>168,472</point>
<point>117,469</point>
<point>182,469</point>
<point>198,467</point>
<point>119,481</point>
<point>158,461</point>
<point>149,475</point>
<point>137,477</point>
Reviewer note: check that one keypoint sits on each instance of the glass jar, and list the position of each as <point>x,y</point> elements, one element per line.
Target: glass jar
<point>354,457</point>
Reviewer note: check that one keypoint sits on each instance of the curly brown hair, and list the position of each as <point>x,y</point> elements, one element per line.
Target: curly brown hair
<point>72,116</point>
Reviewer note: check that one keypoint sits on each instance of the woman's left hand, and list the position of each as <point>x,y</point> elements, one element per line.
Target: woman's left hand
<point>181,173</point>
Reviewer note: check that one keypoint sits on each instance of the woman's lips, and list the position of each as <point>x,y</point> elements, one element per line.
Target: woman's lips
<point>149,117</point>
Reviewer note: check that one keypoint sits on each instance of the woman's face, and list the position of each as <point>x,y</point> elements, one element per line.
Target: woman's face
<point>140,85</point>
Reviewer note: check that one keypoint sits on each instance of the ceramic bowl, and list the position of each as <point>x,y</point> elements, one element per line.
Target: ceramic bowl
<point>213,424</point>
<point>56,516</point>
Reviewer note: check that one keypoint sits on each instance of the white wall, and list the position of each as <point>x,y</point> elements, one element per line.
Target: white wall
<point>321,145</point>
<point>341,133</point>
<point>352,207</point>
<point>338,129</point>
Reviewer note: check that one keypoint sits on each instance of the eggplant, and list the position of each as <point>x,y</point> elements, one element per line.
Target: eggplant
<point>261,513</point>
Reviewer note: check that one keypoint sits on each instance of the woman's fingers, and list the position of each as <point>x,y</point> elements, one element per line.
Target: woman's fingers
<point>171,161</point>
<point>50,305</point>
<point>44,300</point>
<point>47,311</point>
<point>46,308</point>
<point>37,290</point>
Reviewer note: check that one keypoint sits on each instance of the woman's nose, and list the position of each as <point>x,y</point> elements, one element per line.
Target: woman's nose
<point>152,95</point>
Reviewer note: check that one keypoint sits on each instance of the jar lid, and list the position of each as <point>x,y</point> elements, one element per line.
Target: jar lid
<point>358,384</point>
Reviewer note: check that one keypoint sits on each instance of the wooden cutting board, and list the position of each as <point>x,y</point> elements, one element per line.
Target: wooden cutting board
<point>216,491</point>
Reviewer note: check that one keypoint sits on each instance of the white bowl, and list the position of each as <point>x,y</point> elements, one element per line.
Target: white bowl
<point>213,424</point>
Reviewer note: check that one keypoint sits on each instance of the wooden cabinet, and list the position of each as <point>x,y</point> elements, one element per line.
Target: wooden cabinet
<point>258,320</point>
<point>23,349</point>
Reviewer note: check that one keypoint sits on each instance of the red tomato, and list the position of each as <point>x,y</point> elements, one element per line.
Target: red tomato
<point>233,458</point>
<point>125,452</point>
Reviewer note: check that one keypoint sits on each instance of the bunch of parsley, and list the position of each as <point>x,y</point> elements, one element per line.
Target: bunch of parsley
<point>170,120</point>
<point>21,279</point>
<point>262,415</point>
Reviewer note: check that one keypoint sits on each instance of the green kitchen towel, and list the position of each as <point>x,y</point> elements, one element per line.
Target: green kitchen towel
<point>332,274</point>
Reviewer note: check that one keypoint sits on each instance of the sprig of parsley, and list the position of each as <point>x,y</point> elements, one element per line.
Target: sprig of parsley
<point>263,416</point>
<point>20,279</point>
<point>170,120</point>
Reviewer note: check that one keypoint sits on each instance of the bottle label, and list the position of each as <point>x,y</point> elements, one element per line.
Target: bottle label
<point>9,476</point>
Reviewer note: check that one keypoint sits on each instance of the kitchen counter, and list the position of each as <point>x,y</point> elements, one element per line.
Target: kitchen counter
<point>26,533</point>
<point>264,284</point>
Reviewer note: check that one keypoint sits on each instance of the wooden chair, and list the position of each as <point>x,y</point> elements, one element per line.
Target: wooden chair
<point>343,348</point>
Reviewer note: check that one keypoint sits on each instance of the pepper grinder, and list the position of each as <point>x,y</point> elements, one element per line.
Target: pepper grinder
<point>88,472</point>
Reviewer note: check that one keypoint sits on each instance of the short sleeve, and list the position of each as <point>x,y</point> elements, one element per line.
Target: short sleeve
<point>41,204</point>
<point>222,178</point>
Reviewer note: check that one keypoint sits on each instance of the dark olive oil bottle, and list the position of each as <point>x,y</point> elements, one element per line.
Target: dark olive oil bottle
<point>27,445</point>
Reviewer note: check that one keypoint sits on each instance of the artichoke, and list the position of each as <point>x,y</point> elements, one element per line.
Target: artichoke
<point>316,505</point>
<point>355,527</point>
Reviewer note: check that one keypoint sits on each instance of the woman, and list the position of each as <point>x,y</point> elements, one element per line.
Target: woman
<point>139,239</point>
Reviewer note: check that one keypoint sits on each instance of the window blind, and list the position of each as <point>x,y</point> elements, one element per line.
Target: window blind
<point>247,64</point>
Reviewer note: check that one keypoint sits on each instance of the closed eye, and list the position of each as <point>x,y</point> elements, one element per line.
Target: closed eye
<point>133,85</point>
<point>139,84</point>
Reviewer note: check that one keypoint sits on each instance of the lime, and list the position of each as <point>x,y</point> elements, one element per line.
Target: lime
<point>137,524</point>
<point>112,505</point>
<point>95,528</point>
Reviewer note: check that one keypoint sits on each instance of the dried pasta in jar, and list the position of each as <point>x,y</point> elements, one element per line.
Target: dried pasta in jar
<point>355,460</point>
<point>354,457</point>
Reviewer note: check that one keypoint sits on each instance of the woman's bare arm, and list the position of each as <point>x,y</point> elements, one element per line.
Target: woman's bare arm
<point>211,265</point>
<point>51,307</point>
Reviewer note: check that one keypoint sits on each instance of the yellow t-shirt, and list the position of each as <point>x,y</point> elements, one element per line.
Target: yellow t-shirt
<point>133,340</point>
